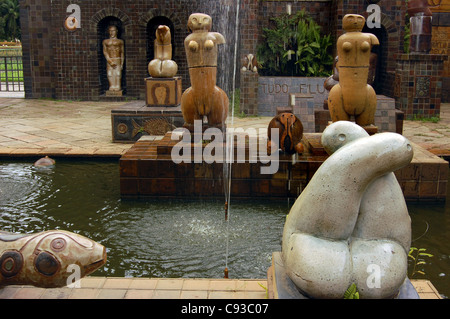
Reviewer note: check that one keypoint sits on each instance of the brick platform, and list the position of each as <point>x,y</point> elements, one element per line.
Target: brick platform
<point>147,170</point>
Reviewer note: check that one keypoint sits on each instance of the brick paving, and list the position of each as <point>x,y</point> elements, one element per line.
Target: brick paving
<point>64,128</point>
<point>165,288</point>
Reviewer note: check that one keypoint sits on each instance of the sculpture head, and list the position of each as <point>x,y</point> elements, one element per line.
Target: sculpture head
<point>113,31</point>
<point>353,22</point>
<point>163,34</point>
<point>199,22</point>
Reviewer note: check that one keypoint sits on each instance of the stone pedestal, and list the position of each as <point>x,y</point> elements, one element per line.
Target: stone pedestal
<point>387,118</point>
<point>133,120</point>
<point>418,84</point>
<point>163,91</point>
<point>280,286</point>
<point>114,93</point>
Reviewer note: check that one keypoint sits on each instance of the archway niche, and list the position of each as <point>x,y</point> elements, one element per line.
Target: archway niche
<point>152,25</point>
<point>102,34</point>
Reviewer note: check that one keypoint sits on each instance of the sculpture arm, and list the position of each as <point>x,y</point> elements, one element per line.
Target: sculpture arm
<point>373,39</point>
<point>220,39</point>
<point>105,53</point>
<point>122,54</point>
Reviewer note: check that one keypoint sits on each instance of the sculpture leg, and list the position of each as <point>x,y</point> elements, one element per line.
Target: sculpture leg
<point>168,69</point>
<point>336,105</point>
<point>154,68</point>
<point>219,108</point>
<point>367,117</point>
<point>188,107</point>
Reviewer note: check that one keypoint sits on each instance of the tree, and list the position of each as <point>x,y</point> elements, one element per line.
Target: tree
<point>9,20</point>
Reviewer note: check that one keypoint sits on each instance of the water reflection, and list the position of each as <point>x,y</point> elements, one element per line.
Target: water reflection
<point>170,238</point>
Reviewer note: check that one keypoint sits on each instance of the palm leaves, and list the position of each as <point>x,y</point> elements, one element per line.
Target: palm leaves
<point>295,47</point>
<point>417,255</point>
<point>9,20</point>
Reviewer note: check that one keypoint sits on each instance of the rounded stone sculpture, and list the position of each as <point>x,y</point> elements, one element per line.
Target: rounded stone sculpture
<point>162,65</point>
<point>203,98</point>
<point>44,162</point>
<point>351,224</point>
<point>352,96</point>
<point>290,133</point>
<point>47,259</point>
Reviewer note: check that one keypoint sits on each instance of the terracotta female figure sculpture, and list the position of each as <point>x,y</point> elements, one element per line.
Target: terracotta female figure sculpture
<point>203,98</point>
<point>162,66</point>
<point>113,50</point>
<point>290,132</point>
<point>352,96</point>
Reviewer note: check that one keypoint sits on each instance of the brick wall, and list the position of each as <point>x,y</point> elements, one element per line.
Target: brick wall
<point>418,84</point>
<point>68,65</point>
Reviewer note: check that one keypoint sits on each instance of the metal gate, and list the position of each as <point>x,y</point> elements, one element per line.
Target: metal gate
<point>11,74</point>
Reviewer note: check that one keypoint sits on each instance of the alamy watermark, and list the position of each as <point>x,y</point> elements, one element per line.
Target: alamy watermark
<point>221,150</point>
<point>374,18</point>
<point>73,281</point>
<point>73,21</point>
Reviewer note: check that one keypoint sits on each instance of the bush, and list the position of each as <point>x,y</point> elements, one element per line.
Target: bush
<point>295,47</point>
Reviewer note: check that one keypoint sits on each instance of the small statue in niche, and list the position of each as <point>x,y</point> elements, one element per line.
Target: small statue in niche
<point>250,63</point>
<point>162,65</point>
<point>203,99</point>
<point>113,50</point>
<point>290,133</point>
<point>352,96</point>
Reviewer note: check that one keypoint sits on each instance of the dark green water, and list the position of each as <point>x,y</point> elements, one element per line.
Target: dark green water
<point>170,238</point>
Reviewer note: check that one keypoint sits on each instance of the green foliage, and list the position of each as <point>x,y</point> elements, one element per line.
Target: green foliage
<point>418,255</point>
<point>351,293</point>
<point>294,46</point>
<point>9,20</point>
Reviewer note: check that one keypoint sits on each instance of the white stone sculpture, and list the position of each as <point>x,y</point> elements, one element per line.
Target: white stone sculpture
<point>351,224</point>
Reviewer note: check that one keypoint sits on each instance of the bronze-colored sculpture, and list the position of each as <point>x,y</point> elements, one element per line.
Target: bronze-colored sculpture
<point>290,133</point>
<point>113,50</point>
<point>352,96</point>
<point>42,259</point>
<point>162,65</point>
<point>203,98</point>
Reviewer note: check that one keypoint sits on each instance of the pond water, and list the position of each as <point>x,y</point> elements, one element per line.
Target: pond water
<point>171,238</point>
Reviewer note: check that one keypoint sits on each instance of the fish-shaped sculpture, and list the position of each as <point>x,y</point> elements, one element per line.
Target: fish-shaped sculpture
<point>43,259</point>
<point>290,133</point>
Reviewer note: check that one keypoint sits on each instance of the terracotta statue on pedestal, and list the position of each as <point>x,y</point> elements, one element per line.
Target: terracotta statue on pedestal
<point>352,96</point>
<point>113,50</point>
<point>290,133</point>
<point>162,65</point>
<point>203,99</point>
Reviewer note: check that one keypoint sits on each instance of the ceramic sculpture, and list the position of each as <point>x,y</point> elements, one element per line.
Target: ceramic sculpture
<point>352,96</point>
<point>43,259</point>
<point>203,99</point>
<point>162,65</point>
<point>114,52</point>
<point>290,133</point>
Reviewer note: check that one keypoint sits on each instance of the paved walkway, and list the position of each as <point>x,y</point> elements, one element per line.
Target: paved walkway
<point>64,128</point>
<point>153,288</point>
